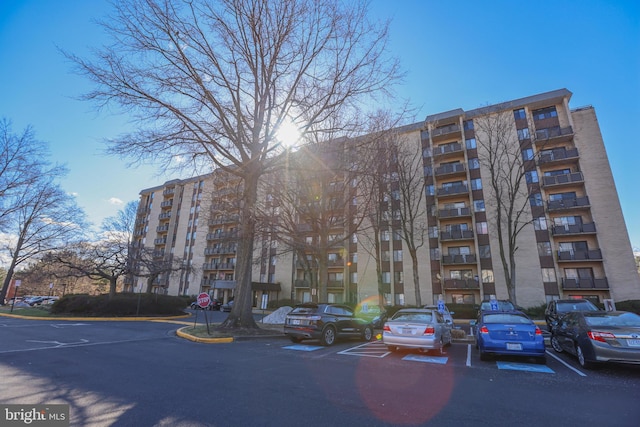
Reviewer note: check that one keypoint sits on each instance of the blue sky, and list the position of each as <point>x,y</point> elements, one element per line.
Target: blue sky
<point>457,54</point>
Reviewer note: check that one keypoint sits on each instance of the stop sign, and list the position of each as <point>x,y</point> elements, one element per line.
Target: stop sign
<point>204,300</point>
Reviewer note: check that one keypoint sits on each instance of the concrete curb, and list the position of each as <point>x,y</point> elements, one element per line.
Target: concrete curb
<point>97,319</point>
<point>182,334</point>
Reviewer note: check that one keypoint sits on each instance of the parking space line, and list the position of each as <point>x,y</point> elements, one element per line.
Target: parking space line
<point>426,359</point>
<point>582,374</point>
<point>468,355</point>
<point>524,367</point>
<point>368,349</point>
<point>302,347</point>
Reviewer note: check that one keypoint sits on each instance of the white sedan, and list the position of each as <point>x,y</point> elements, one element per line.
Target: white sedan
<point>417,328</point>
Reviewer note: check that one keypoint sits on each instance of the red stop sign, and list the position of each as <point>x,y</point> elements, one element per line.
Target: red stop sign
<point>204,300</point>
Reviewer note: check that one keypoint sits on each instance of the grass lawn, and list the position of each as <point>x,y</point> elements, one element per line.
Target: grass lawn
<point>27,311</point>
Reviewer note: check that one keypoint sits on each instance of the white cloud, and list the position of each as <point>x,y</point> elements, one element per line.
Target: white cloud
<point>116,201</point>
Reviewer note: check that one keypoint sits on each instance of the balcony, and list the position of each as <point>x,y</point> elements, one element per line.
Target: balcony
<point>299,283</point>
<point>165,215</point>
<point>585,283</point>
<point>558,155</point>
<point>229,219</point>
<point>567,178</point>
<point>219,266</point>
<point>446,149</point>
<point>222,235</point>
<point>162,241</point>
<point>458,259</point>
<point>158,254</point>
<point>456,234</point>
<point>453,190</point>
<point>162,228</point>
<point>564,204</point>
<point>454,213</point>
<point>589,255</point>
<point>166,204</point>
<point>572,229</point>
<point>335,284</point>
<point>220,250</point>
<point>451,169</point>
<point>444,132</point>
<point>168,191</point>
<point>453,284</point>
<point>554,134</point>
<point>335,262</point>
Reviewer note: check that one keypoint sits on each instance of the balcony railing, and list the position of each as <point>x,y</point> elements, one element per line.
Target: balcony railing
<point>585,283</point>
<point>459,259</point>
<point>568,203</point>
<point>299,283</point>
<point>454,189</point>
<point>558,154</point>
<point>461,284</point>
<point>166,204</point>
<point>220,250</point>
<point>553,132</point>
<point>567,178</point>
<point>445,130</point>
<point>447,149</point>
<point>453,213</point>
<point>590,255</point>
<point>168,191</point>
<point>162,241</point>
<point>456,234</point>
<point>165,215</point>
<point>162,228</point>
<point>450,169</point>
<point>222,235</point>
<point>574,229</point>
<point>219,266</point>
<point>335,284</point>
<point>225,220</point>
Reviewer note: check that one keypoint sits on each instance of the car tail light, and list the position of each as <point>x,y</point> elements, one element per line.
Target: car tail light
<point>484,330</point>
<point>386,328</point>
<point>600,336</point>
<point>538,331</point>
<point>429,330</point>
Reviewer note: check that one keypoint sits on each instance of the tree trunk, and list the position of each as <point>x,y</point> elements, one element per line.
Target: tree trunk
<point>7,281</point>
<point>416,276</point>
<point>241,315</point>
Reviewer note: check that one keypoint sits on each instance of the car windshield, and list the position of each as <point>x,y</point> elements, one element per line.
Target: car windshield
<point>506,318</point>
<point>563,307</point>
<point>412,316</point>
<point>304,310</point>
<point>613,319</point>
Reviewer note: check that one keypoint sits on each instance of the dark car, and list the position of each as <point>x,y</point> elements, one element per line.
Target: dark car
<point>509,333</point>
<point>325,322</point>
<point>598,336</point>
<point>228,306</point>
<point>214,305</point>
<point>557,308</point>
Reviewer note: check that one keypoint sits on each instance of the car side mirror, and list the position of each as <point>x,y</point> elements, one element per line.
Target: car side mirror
<point>472,323</point>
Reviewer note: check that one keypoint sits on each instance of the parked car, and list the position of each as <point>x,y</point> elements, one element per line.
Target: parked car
<point>598,336</point>
<point>228,306</point>
<point>448,315</point>
<point>33,301</point>
<point>508,333</point>
<point>214,305</point>
<point>325,322</point>
<point>557,308</point>
<point>373,313</point>
<point>417,328</point>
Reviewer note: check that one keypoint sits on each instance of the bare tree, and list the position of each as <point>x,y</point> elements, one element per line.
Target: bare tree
<point>214,82</point>
<point>46,219</point>
<point>500,152</point>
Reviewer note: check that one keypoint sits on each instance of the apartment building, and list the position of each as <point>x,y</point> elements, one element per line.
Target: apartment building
<point>573,241</point>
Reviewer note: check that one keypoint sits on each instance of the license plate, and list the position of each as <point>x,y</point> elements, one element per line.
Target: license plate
<point>633,343</point>
<point>513,346</point>
<point>407,331</point>
<point>295,321</point>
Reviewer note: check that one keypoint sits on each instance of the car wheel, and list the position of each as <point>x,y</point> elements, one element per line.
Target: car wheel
<point>328,336</point>
<point>295,340</point>
<point>556,344</point>
<point>581,358</point>
<point>367,334</point>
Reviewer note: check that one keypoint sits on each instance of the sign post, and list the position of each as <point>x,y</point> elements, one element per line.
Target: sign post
<point>15,293</point>
<point>204,300</point>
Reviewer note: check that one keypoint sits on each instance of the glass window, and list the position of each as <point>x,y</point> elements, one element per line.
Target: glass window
<point>398,277</point>
<point>540,223</point>
<point>519,114</point>
<point>523,134</point>
<point>354,277</point>
<point>426,152</point>
<point>386,277</point>
<point>487,276</point>
<point>384,256</point>
<point>484,251</point>
<point>470,143</point>
<point>428,171</point>
<point>476,184</point>
<point>397,255</point>
<point>545,113</point>
<point>544,248</point>
<point>433,232</point>
<point>535,199</point>
<point>474,163</point>
<point>430,190</point>
<point>384,235</point>
<point>478,205</point>
<point>531,177</point>
<point>468,124</point>
<point>397,234</point>
<point>481,228</point>
<point>549,275</point>
<point>527,154</point>
<point>434,253</point>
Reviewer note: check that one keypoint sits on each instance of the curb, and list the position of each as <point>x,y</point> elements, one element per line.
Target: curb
<point>96,319</point>
<point>180,332</point>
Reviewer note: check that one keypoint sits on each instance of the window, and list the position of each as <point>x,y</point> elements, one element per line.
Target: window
<point>463,298</point>
<point>386,277</point>
<point>398,277</point>
<point>354,258</point>
<point>474,163</point>
<point>470,143</point>
<point>426,152</point>
<point>461,274</point>
<point>481,228</point>
<point>544,248</point>
<point>527,154</point>
<point>562,196</point>
<point>384,256</point>
<point>531,177</point>
<point>433,232</point>
<point>384,235</point>
<point>487,276</point>
<point>540,223</point>
<point>397,255</point>
<point>309,240</point>
<point>395,194</point>
<point>397,234</point>
<point>545,113</point>
<point>549,275</point>
<point>523,134</point>
<point>430,190</point>
<point>567,220</point>
<point>478,205</point>
<point>428,171</point>
<point>467,125</point>
<point>484,251</point>
<point>476,184</point>
<point>519,114</point>
<point>535,199</point>
<point>459,250</point>
<point>434,254</point>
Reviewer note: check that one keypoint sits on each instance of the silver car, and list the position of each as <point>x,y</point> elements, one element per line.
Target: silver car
<point>598,336</point>
<point>417,328</point>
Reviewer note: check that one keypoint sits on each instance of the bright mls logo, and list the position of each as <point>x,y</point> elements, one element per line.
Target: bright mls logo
<point>34,415</point>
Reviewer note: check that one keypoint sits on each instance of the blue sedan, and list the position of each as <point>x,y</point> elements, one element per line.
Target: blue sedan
<point>509,333</point>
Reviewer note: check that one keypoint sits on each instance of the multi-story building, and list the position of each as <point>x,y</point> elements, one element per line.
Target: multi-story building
<point>573,241</point>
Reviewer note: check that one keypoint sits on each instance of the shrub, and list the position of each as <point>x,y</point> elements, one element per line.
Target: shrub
<point>629,305</point>
<point>536,312</point>
<point>120,305</point>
